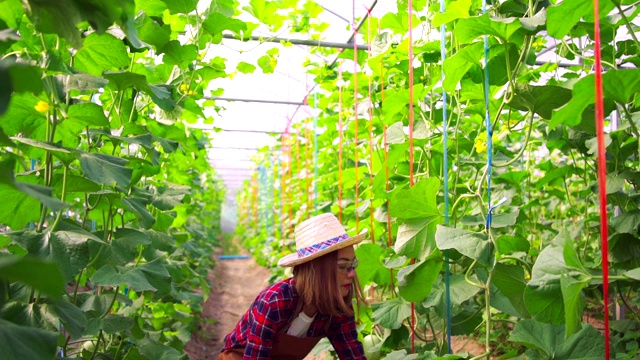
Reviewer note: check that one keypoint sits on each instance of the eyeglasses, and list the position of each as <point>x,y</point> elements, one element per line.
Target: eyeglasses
<point>345,267</point>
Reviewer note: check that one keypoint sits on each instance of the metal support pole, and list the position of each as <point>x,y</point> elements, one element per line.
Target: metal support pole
<point>275,39</point>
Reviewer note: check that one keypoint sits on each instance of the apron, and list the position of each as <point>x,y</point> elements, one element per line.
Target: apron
<point>285,346</point>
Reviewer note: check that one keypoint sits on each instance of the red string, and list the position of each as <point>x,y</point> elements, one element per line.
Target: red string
<point>602,174</point>
<point>310,166</point>
<point>355,111</point>
<point>291,183</point>
<point>371,218</point>
<point>283,187</point>
<point>413,308</point>
<point>340,131</point>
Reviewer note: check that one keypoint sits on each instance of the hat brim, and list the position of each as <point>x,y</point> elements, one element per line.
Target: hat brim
<point>294,259</point>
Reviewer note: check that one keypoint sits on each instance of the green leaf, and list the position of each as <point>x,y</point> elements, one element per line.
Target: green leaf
<point>22,118</point>
<point>619,85</point>
<point>633,274</point>
<point>467,30</point>
<point>101,53</point>
<point>246,68</point>
<point>538,336</point>
<point>67,248</point>
<point>113,324</point>
<point>455,10</point>
<point>12,13</point>
<point>370,267</point>
<point>56,17</point>
<point>22,198</point>
<point>179,55</point>
<point>105,169</point>
<point>71,317</point>
<point>509,279</point>
<point>16,78</point>
<point>418,202</point>
<point>138,207</point>
<point>542,100</point>
<point>42,275</point>
<point>507,244</point>
<point>154,350</point>
<point>545,302</point>
<point>152,33</point>
<point>58,151</point>
<point>574,301</point>
<point>158,93</point>
<point>398,22</point>
<point>132,277</point>
<point>471,244</point>
<point>456,66</point>
<point>82,82</point>
<point>391,313</point>
<point>87,114</point>
<point>562,17</point>
<point>626,222</point>
<point>415,281</point>
<point>181,6</point>
<point>416,238</point>
<point>395,132</point>
<point>216,23</point>
<point>548,340</point>
<point>22,342</point>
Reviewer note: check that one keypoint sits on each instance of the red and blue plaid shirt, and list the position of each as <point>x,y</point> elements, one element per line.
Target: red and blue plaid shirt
<point>274,309</point>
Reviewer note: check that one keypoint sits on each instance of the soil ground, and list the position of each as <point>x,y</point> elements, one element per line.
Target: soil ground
<point>236,283</point>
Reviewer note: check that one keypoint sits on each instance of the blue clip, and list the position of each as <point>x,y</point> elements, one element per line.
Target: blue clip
<point>487,224</point>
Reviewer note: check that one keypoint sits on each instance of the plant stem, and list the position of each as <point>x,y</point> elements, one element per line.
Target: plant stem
<point>95,350</point>
<point>113,301</point>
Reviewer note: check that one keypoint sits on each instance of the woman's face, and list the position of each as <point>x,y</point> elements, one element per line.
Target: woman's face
<point>345,270</point>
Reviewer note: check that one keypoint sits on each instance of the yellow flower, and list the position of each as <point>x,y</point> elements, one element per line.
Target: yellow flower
<point>480,142</point>
<point>184,87</point>
<point>42,106</point>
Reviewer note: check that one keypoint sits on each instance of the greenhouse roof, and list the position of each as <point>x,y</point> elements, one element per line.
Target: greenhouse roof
<point>256,108</point>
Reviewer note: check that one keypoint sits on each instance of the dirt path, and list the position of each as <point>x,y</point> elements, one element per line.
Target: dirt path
<point>236,283</point>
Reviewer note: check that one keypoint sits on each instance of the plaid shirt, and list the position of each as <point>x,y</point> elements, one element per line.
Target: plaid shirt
<point>274,309</point>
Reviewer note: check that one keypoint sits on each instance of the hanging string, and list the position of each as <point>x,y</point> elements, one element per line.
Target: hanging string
<point>283,185</point>
<point>290,185</point>
<point>487,122</point>
<point>355,106</point>
<point>340,136</point>
<point>413,306</point>
<point>309,189</point>
<point>602,175</point>
<point>315,152</point>
<point>445,163</point>
<point>283,188</point>
<point>370,112</point>
<point>386,170</point>
<point>272,199</point>
<point>254,203</point>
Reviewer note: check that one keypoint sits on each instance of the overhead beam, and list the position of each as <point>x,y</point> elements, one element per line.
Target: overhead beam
<point>262,101</point>
<point>276,39</point>
<point>232,148</point>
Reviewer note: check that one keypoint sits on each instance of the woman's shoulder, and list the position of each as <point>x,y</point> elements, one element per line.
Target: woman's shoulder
<point>281,291</point>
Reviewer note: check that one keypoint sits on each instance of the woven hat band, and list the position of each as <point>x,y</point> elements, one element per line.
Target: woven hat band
<point>310,250</point>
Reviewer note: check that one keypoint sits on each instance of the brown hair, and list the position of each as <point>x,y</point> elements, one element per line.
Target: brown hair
<point>316,282</point>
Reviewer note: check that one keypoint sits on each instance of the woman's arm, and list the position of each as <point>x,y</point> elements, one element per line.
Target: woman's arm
<point>344,338</point>
<point>263,318</point>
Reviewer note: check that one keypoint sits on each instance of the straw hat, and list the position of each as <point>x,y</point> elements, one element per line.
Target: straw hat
<point>318,236</point>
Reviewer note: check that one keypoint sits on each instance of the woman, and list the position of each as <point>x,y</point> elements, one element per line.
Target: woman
<point>288,319</point>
